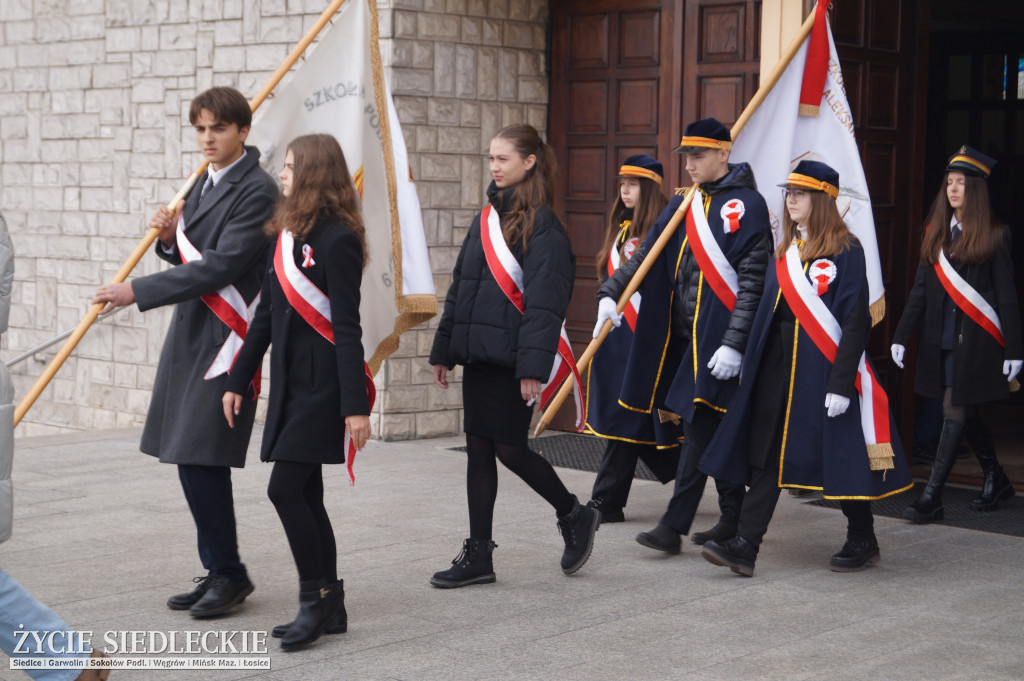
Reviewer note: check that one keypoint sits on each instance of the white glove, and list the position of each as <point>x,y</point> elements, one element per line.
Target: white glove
<point>897,351</point>
<point>836,404</point>
<point>725,363</point>
<point>1011,368</point>
<point>607,309</point>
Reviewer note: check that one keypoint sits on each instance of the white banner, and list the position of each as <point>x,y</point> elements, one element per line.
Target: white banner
<point>777,137</point>
<point>333,92</point>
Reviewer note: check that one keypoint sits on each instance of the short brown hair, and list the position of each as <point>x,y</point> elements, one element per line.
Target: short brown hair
<point>227,105</point>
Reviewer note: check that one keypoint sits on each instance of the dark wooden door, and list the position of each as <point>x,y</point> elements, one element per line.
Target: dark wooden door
<point>625,76</point>
<point>612,68</point>
<point>876,42</point>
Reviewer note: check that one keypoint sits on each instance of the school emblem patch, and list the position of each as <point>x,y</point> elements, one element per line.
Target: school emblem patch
<point>822,272</point>
<point>732,212</point>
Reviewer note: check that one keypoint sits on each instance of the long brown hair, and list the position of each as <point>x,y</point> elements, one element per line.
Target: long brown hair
<point>322,188</point>
<point>980,237</point>
<point>648,207</point>
<point>827,234</point>
<point>535,190</point>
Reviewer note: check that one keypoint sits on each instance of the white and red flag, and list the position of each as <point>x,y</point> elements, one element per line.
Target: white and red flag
<point>341,90</point>
<point>806,115</point>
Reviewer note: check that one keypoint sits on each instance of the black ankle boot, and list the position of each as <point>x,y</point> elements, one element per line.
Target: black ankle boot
<point>338,625</point>
<point>719,533</point>
<point>578,528</point>
<point>928,507</point>
<point>856,555</point>
<point>472,566</point>
<point>737,554</point>
<point>997,487</point>
<point>318,609</point>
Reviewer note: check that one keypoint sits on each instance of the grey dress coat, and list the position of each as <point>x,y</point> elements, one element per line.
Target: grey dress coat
<point>185,423</point>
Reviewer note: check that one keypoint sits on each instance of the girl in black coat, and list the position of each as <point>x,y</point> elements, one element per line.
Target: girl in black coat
<point>970,348</point>
<point>309,310</point>
<point>508,352</point>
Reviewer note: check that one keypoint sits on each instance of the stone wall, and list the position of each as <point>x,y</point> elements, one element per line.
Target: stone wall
<point>94,133</point>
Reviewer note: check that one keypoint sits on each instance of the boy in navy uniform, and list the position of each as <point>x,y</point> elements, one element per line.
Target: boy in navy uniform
<point>709,277</point>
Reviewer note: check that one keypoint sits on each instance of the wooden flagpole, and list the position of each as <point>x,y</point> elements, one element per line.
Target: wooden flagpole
<point>670,228</point>
<point>151,234</point>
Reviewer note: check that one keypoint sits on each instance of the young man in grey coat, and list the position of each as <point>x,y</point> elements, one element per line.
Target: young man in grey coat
<point>217,245</point>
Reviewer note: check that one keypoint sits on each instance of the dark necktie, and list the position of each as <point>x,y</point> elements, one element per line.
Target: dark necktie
<point>955,235</point>
<point>206,187</point>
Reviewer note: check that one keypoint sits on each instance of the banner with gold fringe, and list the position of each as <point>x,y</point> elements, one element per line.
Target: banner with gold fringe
<point>341,90</point>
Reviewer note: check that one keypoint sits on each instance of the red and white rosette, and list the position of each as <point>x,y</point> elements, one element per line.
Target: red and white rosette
<point>314,307</point>
<point>507,271</point>
<point>633,306</point>
<point>229,307</point>
<point>967,298</point>
<point>712,261</point>
<point>822,272</point>
<point>825,331</point>
<point>731,213</point>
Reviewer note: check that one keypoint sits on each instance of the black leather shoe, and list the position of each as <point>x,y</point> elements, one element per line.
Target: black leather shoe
<point>609,514</point>
<point>997,487</point>
<point>187,600</point>
<point>661,538</point>
<point>222,595</point>
<point>737,554</point>
<point>719,533</point>
<point>855,556</point>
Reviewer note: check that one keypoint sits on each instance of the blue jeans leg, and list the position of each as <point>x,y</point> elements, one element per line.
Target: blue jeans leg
<point>19,611</point>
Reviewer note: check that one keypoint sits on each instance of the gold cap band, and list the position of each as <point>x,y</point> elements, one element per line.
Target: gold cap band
<point>705,142</point>
<point>972,161</point>
<point>808,182</point>
<point>637,171</point>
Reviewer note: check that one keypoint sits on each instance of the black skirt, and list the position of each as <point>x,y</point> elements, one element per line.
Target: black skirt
<point>493,404</point>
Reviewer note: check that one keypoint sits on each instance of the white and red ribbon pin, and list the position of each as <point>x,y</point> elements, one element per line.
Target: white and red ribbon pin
<point>822,272</point>
<point>307,256</point>
<point>732,212</point>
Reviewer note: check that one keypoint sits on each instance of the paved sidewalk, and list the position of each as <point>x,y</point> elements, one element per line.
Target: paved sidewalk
<point>102,534</point>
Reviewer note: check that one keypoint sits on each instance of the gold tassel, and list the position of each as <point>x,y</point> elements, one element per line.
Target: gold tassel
<point>809,110</point>
<point>666,416</point>
<point>877,310</point>
<point>880,457</point>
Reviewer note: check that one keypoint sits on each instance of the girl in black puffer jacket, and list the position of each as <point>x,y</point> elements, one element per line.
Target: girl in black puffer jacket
<point>508,348</point>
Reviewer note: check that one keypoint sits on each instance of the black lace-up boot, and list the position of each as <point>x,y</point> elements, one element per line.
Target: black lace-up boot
<point>472,566</point>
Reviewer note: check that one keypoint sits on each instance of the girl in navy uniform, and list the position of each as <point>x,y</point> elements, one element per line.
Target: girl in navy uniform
<point>630,435</point>
<point>969,349</point>
<point>503,321</point>
<point>320,402</point>
<point>809,413</point>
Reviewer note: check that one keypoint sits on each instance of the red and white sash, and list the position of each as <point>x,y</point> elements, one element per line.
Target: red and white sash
<point>229,307</point>
<point>825,331</point>
<point>633,306</point>
<point>507,271</point>
<point>967,298</point>
<point>315,307</point>
<point>712,261</point>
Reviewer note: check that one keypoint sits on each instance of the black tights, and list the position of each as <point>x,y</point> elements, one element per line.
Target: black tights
<point>297,492</point>
<point>482,480</point>
<point>954,412</point>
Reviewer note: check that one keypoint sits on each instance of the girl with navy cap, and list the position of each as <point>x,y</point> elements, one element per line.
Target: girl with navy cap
<point>969,349</point>
<point>806,388</point>
<point>630,435</point>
